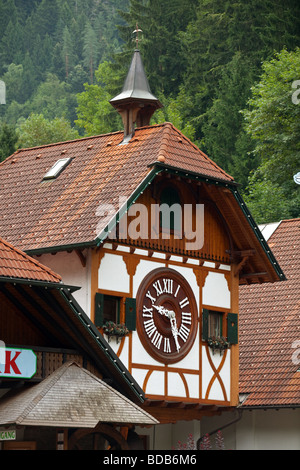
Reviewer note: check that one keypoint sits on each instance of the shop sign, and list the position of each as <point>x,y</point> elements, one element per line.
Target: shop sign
<point>17,363</point>
<point>7,434</point>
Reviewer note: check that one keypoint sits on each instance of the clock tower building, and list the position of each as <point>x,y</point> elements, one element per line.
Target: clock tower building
<point>158,239</point>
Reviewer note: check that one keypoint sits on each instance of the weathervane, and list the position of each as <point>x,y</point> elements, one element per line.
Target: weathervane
<point>136,32</point>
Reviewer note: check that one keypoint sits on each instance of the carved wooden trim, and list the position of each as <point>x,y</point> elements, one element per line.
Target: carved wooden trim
<point>215,373</point>
<point>131,264</point>
<point>200,276</point>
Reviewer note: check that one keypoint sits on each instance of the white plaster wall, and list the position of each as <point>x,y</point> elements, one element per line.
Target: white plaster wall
<point>168,436</point>
<point>193,385</point>
<point>69,267</point>
<point>269,430</point>
<point>175,385</point>
<point>215,291</point>
<point>257,429</point>
<point>139,354</point>
<point>155,384</point>
<point>191,360</point>
<point>112,274</point>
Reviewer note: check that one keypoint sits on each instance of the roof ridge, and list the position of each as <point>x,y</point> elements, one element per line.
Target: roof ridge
<point>52,144</point>
<point>164,141</point>
<point>41,390</point>
<point>30,259</point>
<point>201,151</point>
<point>290,220</point>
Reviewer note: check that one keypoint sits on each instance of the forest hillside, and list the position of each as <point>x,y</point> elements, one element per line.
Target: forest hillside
<point>228,74</point>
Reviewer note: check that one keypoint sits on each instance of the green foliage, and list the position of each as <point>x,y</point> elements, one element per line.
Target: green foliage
<point>8,141</point>
<point>62,38</point>
<point>223,126</point>
<point>65,59</point>
<point>160,44</point>
<point>272,120</point>
<point>95,113</point>
<point>37,130</point>
<point>267,201</point>
<point>174,111</point>
<point>52,97</point>
<point>90,49</point>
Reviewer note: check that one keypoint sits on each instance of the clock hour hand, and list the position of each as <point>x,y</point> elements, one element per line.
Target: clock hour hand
<point>162,310</point>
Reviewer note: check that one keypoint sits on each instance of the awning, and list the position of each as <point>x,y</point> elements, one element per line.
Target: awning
<point>71,397</point>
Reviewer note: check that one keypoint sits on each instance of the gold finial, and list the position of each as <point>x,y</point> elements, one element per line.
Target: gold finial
<point>136,32</point>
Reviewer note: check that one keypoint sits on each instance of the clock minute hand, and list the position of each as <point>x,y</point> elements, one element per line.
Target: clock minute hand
<point>171,315</point>
<point>174,329</point>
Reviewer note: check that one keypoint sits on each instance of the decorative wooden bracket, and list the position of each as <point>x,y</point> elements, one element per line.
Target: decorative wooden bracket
<point>81,257</point>
<point>238,268</point>
<point>237,255</point>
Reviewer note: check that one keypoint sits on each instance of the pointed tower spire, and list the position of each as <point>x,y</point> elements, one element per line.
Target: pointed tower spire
<point>136,104</point>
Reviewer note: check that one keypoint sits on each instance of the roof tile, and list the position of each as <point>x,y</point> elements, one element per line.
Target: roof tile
<point>17,265</point>
<point>39,214</point>
<point>270,327</point>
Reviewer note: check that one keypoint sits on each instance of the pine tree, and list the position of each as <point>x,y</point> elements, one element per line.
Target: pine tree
<point>67,50</point>
<point>90,49</point>
<point>220,30</point>
<point>8,141</point>
<point>161,22</point>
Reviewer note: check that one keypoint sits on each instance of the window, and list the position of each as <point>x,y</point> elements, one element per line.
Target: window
<point>170,210</point>
<point>212,324</point>
<point>215,327</point>
<point>107,309</point>
<point>219,324</point>
<point>57,168</point>
<point>110,308</point>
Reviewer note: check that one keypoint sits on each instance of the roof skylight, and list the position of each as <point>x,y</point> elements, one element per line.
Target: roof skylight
<point>57,168</point>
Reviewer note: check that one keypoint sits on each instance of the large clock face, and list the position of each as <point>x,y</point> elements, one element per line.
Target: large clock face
<point>166,315</point>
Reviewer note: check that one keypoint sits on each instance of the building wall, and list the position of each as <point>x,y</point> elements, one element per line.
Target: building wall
<point>75,270</point>
<point>269,430</point>
<point>200,375</point>
<point>171,436</point>
<point>257,429</point>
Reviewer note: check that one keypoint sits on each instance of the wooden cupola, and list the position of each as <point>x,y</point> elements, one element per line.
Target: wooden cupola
<point>136,104</point>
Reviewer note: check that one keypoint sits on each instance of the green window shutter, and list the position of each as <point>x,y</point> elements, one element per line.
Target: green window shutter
<point>232,328</point>
<point>99,309</point>
<point>205,314</point>
<point>130,313</point>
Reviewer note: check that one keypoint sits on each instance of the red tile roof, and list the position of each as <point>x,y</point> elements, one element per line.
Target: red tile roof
<point>17,265</point>
<point>38,214</point>
<point>270,328</point>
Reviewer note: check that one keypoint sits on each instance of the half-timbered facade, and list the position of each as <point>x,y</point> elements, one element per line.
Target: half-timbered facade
<point>158,238</point>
